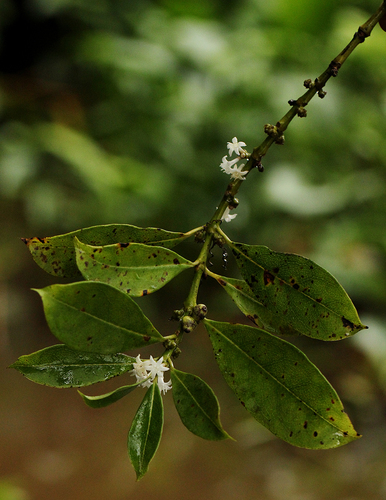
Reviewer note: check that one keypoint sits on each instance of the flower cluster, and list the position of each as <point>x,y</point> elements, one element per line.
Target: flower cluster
<point>229,167</point>
<point>147,370</point>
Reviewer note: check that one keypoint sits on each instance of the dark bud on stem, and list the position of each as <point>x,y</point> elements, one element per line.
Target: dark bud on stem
<point>200,236</point>
<point>177,315</point>
<point>334,68</point>
<point>188,324</point>
<point>309,83</point>
<point>199,312</point>
<point>280,140</point>
<point>176,352</point>
<point>302,112</point>
<point>322,94</point>
<point>170,344</point>
<point>270,130</point>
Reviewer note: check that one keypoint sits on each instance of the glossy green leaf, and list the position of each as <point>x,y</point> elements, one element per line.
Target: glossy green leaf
<point>108,398</point>
<point>95,317</point>
<point>61,367</point>
<point>56,254</point>
<point>133,268</point>
<point>197,406</point>
<point>243,297</point>
<point>301,296</point>
<point>280,387</point>
<point>146,431</point>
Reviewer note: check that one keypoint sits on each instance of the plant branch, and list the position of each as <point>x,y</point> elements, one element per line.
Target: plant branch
<point>275,133</point>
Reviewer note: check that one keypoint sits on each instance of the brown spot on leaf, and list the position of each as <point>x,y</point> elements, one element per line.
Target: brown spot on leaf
<point>123,245</point>
<point>176,261</point>
<point>146,338</point>
<point>305,424</point>
<point>144,292</point>
<point>268,278</point>
<point>347,323</point>
<point>222,282</point>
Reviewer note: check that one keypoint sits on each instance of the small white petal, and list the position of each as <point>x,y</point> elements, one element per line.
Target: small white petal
<point>237,172</point>
<point>227,216</point>
<point>227,165</point>
<point>235,146</point>
<point>162,385</point>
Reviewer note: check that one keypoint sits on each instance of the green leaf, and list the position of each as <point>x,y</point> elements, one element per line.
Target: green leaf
<point>280,387</point>
<point>133,268</point>
<point>197,406</point>
<point>95,317</point>
<point>146,431</point>
<point>243,297</point>
<point>61,367</point>
<point>56,254</point>
<point>110,397</point>
<point>300,295</point>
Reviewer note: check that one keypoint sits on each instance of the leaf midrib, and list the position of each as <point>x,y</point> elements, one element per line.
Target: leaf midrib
<point>319,304</point>
<point>107,322</point>
<point>278,381</point>
<point>197,403</point>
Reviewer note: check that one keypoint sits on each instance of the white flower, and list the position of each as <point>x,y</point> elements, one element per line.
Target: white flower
<point>237,173</point>
<point>227,216</point>
<point>147,370</point>
<point>139,368</point>
<point>156,367</point>
<point>235,146</point>
<point>163,386</point>
<point>227,165</point>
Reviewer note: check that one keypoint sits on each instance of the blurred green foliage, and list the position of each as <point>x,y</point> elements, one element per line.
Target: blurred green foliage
<point>119,112</point>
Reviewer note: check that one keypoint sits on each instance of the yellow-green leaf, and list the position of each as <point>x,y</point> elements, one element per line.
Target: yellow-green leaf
<point>56,254</point>
<point>133,268</point>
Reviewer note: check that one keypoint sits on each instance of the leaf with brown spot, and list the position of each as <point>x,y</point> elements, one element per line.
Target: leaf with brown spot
<point>245,300</point>
<point>56,254</point>
<point>300,295</point>
<point>95,317</point>
<point>136,269</point>
<point>292,407</point>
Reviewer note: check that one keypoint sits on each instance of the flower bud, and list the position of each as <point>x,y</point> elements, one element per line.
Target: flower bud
<point>200,311</point>
<point>188,324</point>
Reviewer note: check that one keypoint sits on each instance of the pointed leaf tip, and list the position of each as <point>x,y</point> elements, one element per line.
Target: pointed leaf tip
<point>133,268</point>
<point>109,398</point>
<point>77,315</point>
<point>56,254</point>
<point>197,406</point>
<point>298,294</point>
<point>280,387</point>
<point>61,367</point>
<point>146,431</point>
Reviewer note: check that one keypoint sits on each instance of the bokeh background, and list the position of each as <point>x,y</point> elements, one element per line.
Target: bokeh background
<point>119,111</point>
